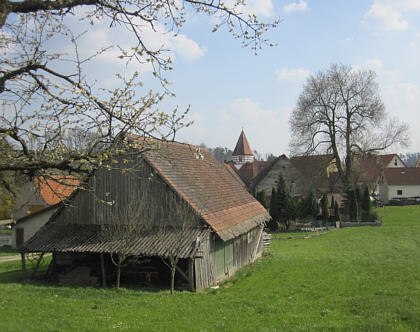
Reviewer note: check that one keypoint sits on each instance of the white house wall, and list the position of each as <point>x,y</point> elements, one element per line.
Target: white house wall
<point>389,192</point>
<point>31,225</point>
<point>395,162</point>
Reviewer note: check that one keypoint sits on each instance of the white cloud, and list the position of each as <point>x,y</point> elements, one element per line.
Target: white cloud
<point>295,75</point>
<point>253,116</point>
<point>264,7</point>
<point>374,64</point>
<point>187,48</point>
<point>384,17</point>
<point>257,7</point>
<point>228,121</point>
<point>402,100</point>
<point>294,6</point>
<point>347,40</point>
<point>178,45</point>
<point>402,5</point>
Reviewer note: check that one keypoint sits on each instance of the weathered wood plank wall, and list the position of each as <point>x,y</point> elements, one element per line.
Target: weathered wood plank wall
<point>111,194</point>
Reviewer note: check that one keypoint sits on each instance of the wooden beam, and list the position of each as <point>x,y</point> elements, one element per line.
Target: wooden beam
<point>37,264</point>
<point>22,255</point>
<point>182,273</point>
<point>257,242</point>
<point>103,272</point>
<point>191,274</point>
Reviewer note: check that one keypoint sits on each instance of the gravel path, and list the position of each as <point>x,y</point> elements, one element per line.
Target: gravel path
<point>9,258</point>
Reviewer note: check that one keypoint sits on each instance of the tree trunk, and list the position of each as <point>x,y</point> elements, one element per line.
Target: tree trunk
<point>22,255</point>
<point>103,272</point>
<point>118,275</point>
<point>174,262</point>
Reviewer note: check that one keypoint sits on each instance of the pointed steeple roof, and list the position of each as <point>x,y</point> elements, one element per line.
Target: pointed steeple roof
<point>242,148</point>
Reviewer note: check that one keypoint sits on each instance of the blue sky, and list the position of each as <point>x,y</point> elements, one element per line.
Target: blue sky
<point>229,87</point>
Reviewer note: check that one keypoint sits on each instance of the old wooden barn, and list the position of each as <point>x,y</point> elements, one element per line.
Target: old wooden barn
<point>173,204</point>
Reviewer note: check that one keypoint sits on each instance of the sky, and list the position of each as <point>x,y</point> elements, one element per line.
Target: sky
<point>230,88</point>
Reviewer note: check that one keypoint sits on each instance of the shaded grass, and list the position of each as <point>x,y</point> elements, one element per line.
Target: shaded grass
<point>365,278</point>
<point>5,251</point>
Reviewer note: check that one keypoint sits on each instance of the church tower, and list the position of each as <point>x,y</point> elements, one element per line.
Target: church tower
<point>242,153</point>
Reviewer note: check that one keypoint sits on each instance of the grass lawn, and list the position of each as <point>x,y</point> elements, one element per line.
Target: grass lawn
<point>5,251</point>
<point>365,278</point>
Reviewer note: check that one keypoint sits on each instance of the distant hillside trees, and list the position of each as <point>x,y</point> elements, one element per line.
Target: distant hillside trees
<point>410,159</point>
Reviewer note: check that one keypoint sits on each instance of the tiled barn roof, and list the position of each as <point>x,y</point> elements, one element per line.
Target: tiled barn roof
<point>208,187</point>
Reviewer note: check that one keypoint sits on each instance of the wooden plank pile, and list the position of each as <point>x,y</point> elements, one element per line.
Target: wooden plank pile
<point>266,241</point>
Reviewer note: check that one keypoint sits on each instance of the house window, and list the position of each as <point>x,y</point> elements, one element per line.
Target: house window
<point>395,162</point>
<point>399,192</point>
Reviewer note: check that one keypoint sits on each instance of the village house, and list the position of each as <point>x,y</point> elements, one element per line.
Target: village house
<point>174,203</point>
<point>369,168</point>
<point>399,183</point>
<point>302,173</point>
<point>35,204</point>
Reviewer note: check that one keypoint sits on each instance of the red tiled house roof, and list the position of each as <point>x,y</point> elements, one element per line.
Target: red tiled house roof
<point>57,190</point>
<point>402,176</point>
<point>372,166</point>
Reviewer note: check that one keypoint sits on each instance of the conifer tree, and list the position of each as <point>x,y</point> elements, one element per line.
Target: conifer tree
<point>284,202</point>
<point>366,205</point>
<point>337,216</point>
<point>324,207</point>
<point>311,205</point>
<point>332,202</point>
<point>358,193</point>
<point>262,198</point>
<point>272,225</point>
<point>353,206</point>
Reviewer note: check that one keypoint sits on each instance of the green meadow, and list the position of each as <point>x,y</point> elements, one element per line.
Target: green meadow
<point>360,279</point>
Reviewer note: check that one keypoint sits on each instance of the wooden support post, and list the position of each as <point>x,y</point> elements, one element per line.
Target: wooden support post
<point>257,243</point>
<point>191,274</point>
<point>103,269</point>
<point>51,266</point>
<point>22,255</point>
<point>37,264</point>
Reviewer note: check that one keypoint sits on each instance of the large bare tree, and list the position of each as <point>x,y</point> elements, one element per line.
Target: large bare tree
<point>340,111</point>
<point>47,94</point>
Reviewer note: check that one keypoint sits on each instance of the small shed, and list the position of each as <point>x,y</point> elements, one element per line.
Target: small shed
<point>174,201</point>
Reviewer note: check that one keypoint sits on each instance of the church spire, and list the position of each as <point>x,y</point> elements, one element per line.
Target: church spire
<point>242,153</point>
